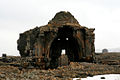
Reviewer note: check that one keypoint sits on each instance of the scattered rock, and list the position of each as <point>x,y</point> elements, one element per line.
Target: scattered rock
<point>73,70</point>
<point>2,75</point>
<point>102,77</point>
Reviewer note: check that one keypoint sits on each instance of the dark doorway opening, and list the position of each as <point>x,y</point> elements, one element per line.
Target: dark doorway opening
<point>64,40</point>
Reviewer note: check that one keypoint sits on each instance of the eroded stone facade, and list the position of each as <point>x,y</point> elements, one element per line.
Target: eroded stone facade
<point>62,32</point>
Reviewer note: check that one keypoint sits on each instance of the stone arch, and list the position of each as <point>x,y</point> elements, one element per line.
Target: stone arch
<point>64,40</point>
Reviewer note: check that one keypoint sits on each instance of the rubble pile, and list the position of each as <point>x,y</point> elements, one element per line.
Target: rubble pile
<point>74,70</point>
<point>10,60</point>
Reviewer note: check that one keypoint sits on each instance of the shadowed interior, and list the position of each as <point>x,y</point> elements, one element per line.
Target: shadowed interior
<point>66,41</point>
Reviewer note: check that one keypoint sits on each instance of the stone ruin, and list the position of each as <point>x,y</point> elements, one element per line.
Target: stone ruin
<point>63,32</point>
<point>105,51</point>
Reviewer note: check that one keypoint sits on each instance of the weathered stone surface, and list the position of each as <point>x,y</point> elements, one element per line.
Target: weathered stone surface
<point>62,32</point>
<point>63,18</point>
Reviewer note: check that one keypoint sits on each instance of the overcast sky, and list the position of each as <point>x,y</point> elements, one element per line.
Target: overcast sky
<point>17,16</point>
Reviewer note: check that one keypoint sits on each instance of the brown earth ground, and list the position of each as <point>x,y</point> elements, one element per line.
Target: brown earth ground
<point>107,63</point>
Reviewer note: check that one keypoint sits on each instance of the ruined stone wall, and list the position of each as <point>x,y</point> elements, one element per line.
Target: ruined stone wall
<point>38,41</point>
<point>89,38</point>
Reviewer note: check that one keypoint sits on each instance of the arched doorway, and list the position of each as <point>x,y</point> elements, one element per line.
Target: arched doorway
<point>64,40</point>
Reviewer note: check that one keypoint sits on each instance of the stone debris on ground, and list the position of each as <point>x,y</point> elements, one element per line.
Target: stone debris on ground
<point>73,70</point>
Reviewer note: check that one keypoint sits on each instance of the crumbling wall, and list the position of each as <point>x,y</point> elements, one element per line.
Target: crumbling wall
<point>41,41</point>
<point>27,40</point>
